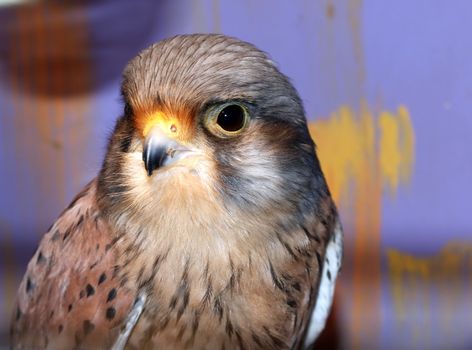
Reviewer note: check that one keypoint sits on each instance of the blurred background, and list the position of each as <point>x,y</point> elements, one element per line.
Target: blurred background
<point>387,87</point>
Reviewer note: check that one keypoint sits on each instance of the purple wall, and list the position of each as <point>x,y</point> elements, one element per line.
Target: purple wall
<point>402,70</point>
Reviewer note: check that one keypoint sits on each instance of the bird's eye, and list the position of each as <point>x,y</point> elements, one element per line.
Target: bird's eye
<point>228,119</point>
<point>231,118</point>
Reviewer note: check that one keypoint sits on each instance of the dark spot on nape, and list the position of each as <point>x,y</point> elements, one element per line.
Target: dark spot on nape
<point>66,235</point>
<point>93,265</point>
<point>41,259</point>
<point>60,328</point>
<point>111,295</point>
<point>88,327</point>
<point>292,303</point>
<point>19,313</point>
<point>69,308</point>
<point>81,220</point>
<point>328,273</point>
<point>107,247</point>
<point>296,286</point>
<point>102,278</point>
<point>51,314</point>
<point>55,236</point>
<point>90,290</point>
<point>110,313</point>
<point>81,294</point>
<point>29,285</point>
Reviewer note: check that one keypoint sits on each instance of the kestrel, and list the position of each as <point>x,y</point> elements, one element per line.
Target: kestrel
<point>209,225</point>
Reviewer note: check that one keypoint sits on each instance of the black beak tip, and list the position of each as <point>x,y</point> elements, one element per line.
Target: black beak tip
<point>154,157</point>
<point>148,169</point>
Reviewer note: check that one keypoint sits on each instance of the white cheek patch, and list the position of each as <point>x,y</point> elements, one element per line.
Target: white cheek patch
<point>261,169</point>
<point>331,267</point>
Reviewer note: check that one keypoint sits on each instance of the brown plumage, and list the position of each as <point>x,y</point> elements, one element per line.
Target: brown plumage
<point>210,220</point>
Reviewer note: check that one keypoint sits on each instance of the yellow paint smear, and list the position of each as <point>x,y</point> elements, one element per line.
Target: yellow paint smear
<point>352,145</point>
<point>396,143</point>
<point>361,153</point>
<point>425,289</point>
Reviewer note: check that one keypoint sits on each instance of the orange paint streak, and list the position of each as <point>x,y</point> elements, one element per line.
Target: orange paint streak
<point>45,92</point>
<point>354,150</point>
<point>42,119</point>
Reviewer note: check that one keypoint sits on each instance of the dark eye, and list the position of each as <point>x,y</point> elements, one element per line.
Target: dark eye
<point>231,118</point>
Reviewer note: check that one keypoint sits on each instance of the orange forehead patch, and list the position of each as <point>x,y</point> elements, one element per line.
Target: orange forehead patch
<point>174,126</point>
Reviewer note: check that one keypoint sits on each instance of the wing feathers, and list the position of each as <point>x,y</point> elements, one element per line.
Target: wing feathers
<point>63,300</point>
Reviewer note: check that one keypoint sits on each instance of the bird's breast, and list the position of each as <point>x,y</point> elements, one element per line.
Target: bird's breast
<point>221,299</point>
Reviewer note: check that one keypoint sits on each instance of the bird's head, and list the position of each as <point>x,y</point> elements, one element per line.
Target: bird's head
<point>210,126</point>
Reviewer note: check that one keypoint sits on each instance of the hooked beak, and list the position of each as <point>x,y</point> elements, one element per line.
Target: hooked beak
<point>159,150</point>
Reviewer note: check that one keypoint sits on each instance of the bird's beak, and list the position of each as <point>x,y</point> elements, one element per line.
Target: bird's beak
<point>159,150</point>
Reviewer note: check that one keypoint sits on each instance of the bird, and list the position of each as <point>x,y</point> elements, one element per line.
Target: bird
<point>210,224</point>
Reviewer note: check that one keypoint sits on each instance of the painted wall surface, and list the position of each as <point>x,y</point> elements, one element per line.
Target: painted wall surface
<point>387,87</point>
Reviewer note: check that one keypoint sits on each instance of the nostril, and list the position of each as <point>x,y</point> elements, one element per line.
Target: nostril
<point>171,152</point>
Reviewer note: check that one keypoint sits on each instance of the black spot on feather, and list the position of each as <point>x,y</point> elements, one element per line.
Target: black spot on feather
<point>41,259</point>
<point>102,278</point>
<point>29,285</point>
<point>111,295</point>
<point>110,313</point>
<point>88,327</point>
<point>90,290</point>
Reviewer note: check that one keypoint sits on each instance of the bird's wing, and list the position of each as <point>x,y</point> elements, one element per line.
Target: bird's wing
<point>71,295</point>
<point>331,266</point>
